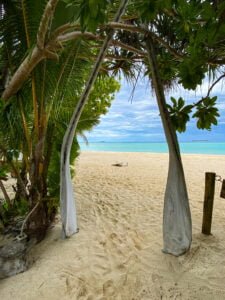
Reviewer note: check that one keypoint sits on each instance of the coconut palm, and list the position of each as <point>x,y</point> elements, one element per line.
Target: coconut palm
<point>35,119</point>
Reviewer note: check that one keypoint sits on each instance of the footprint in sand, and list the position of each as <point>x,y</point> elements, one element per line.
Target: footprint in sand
<point>76,287</point>
<point>108,289</point>
<point>136,240</point>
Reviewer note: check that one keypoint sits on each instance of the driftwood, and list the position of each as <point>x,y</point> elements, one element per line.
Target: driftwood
<point>120,164</point>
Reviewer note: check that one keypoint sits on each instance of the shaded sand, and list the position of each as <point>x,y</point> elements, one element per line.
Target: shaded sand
<point>117,253</point>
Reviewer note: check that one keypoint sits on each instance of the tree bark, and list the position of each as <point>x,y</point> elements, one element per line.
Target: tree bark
<point>177,227</point>
<point>21,183</point>
<point>7,199</point>
<point>67,205</point>
<point>23,73</point>
<point>37,54</point>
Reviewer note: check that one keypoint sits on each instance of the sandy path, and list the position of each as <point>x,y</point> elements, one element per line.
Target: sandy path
<point>117,253</point>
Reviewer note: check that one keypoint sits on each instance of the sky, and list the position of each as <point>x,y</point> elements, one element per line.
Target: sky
<point>136,118</point>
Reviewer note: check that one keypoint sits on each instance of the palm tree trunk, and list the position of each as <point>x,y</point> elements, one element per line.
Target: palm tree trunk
<point>177,227</point>
<point>21,182</point>
<point>37,54</point>
<point>7,199</point>
<point>67,205</point>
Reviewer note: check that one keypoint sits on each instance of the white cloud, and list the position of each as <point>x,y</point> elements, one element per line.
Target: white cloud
<point>139,120</point>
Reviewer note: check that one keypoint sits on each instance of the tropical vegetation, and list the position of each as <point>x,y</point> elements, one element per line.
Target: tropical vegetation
<point>53,64</point>
<point>34,120</point>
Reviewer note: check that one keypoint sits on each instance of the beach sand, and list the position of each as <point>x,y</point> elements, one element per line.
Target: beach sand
<point>117,253</point>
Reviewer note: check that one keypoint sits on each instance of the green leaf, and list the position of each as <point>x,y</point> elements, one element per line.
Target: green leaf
<point>174,101</point>
<point>179,113</point>
<point>180,103</point>
<point>206,113</point>
<point>92,13</point>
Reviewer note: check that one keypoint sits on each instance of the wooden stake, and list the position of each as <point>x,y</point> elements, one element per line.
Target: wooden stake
<point>208,202</point>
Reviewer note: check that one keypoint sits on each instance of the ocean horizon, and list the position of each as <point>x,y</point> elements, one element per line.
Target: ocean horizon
<point>216,148</point>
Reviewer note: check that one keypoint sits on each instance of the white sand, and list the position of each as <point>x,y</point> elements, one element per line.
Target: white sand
<point>117,253</point>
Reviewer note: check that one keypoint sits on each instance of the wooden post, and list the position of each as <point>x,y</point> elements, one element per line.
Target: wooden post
<point>208,202</point>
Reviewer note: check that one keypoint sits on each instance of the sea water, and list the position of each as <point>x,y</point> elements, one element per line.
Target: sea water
<point>189,147</point>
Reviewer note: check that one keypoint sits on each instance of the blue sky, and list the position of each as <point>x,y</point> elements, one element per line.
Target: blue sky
<point>138,120</point>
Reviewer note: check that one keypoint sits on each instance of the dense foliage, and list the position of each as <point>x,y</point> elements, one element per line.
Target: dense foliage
<point>34,120</point>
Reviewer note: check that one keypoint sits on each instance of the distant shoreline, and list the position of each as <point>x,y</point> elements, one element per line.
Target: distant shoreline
<point>160,142</point>
<point>216,148</point>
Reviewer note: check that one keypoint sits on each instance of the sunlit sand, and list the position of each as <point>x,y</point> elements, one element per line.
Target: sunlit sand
<point>117,252</point>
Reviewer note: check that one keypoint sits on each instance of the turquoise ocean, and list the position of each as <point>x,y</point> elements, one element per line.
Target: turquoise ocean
<point>189,147</point>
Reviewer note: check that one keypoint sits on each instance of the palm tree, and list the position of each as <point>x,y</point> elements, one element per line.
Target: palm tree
<point>69,222</point>
<point>35,118</point>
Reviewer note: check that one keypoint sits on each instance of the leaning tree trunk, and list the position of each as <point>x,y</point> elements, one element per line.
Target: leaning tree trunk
<point>67,205</point>
<point>177,228</point>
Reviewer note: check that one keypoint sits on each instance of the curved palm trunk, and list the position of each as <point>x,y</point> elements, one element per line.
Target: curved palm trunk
<point>67,205</point>
<point>177,228</point>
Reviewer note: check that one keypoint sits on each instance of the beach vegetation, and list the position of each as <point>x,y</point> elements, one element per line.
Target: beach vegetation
<point>179,113</point>
<point>206,113</point>
<point>36,111</point>
<point>58,76</point>
<point>181,31</point>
